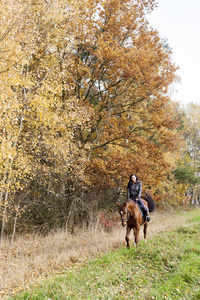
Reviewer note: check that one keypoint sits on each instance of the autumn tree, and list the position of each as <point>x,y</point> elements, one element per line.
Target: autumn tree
<point>121,69</point>
<point>188,168</point>
<point>84,98</point>
<point>36,124</point>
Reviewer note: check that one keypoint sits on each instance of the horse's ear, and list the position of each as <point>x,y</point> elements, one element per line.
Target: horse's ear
<point>118,204</point>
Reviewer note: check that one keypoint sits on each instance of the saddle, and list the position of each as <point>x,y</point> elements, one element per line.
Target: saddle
<point>139,205</point>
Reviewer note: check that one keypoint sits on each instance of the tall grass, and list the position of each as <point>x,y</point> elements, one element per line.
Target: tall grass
<point>32,257</point>
<point>167,267</point>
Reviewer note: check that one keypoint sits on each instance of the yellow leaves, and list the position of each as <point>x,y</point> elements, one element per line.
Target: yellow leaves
<point>78,82</point>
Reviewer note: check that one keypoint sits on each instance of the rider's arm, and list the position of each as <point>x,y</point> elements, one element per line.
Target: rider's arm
<point>140,190</point>
<point>128,192</point>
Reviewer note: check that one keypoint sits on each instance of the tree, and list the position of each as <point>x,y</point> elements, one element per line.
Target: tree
<point>122,72</point>
<point>36,131</point>
<point>187,171</point>
<point>84,101</point>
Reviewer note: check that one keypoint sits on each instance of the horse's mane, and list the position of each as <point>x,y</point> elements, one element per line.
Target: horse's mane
<point>125,203</point>
<point>146,196</point>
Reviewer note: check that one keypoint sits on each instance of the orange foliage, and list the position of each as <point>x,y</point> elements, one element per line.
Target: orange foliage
<point>122,71</point>
<point>83,97</point>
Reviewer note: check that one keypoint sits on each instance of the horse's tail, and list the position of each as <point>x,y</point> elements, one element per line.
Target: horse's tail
<point>151,205</point>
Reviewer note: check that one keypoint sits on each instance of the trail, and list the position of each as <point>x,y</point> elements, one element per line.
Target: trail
<point>32,258</point>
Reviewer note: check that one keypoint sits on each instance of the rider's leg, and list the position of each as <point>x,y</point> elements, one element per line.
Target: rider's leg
<point>144,210</point>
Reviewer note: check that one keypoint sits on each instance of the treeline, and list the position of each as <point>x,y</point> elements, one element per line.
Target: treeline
<point>84,103</point>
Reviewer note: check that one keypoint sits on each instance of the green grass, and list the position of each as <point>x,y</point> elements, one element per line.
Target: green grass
<point>166,267</point>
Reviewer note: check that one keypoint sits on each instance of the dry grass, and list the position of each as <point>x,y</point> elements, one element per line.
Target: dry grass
<point>30,258</point>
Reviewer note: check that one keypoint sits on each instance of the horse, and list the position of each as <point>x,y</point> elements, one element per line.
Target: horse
<point>132,218</point>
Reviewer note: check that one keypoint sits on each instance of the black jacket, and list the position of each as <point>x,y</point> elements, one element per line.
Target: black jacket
<point>134,190</point>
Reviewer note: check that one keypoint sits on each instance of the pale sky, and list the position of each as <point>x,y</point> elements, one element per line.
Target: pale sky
<point>179,22</point>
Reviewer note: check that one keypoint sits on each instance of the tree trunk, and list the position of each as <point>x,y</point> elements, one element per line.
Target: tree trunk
<point>15,224</point>
<point>4,217</point>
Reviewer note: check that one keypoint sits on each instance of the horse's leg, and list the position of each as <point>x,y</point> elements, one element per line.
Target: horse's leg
<point>128,230</point>
<point>145,230</point>
<point>137,231</point>
<point>134,231</point>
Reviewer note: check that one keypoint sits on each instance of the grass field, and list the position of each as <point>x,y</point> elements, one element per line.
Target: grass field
<point>166,267</point>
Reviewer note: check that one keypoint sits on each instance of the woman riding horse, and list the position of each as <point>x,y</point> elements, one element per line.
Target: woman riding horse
<point>134,191</point>
<point>130,212</point>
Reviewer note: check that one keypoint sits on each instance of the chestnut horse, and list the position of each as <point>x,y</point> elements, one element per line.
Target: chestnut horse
<point>131,217</point>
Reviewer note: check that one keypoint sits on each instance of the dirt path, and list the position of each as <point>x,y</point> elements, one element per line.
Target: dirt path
<point>33,258</point>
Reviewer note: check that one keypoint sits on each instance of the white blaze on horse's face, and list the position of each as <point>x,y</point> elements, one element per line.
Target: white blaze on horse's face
<point>124,218</point>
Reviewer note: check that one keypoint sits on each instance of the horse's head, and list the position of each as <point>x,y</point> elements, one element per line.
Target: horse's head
<point>124,213</point>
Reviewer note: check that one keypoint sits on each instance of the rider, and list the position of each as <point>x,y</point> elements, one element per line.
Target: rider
<point>134,191</point>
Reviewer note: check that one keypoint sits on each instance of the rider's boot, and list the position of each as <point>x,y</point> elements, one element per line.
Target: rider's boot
<point>148,219</point>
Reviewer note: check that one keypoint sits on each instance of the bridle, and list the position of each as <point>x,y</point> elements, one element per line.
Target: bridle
<point>129,213</point>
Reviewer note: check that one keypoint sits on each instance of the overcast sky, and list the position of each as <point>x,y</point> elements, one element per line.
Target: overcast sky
<point>179,22</point>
